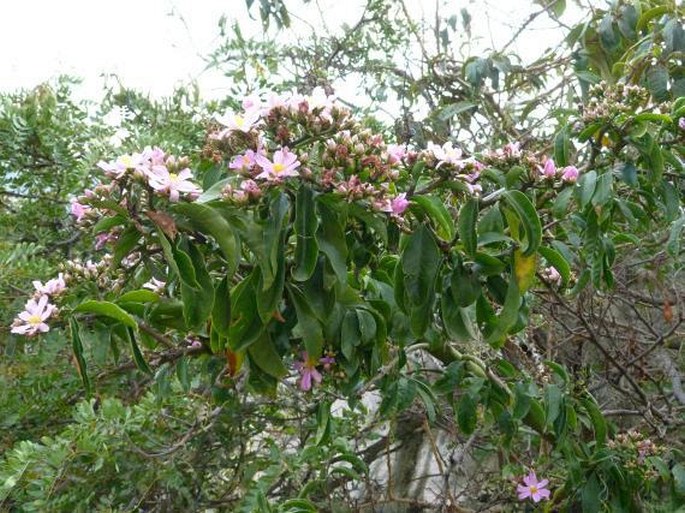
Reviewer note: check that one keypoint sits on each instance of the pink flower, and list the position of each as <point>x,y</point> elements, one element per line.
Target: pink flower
<point>79,210</point>
<point>284,164</point>
<point>570,174</point>
<point>239,123</point>
<point>533,489</point>
<point>307,369</point>
<point>243,162</point>
<point>551,276</point>
<point>549,170</point>
<point>103,238</point>
<point>163,181</point>
<point>445,154</point>
<point>396,153</point>
<point>52,287</point>
<point>681,123</point>
<point>32,320</point>
<point>155,285</point>
<point>399,204</point>
<point>118,168</point>
<point>512,150</point>
<point>327,361</point>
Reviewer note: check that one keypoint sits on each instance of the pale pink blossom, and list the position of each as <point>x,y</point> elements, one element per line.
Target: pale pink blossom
<point>244,161</point>
<point>32,320</point>
<point>52,287</point>
<point>681,123</point>
<point>155,285</point>
<point>284,164</point>
<point>161,180</point>
<point>78,210</point>
<point>101,239</point>
<point>308,372</point>
<point>549,170</point>
<point>533,489</point>
<point>512,150</point>
<point>570,174</point>
<point>235,122</point>
<point>327,361</point>
<point>399,204</point>
<point>396,153</point>
<point>121,165</point>
<point>445,154</point>
<point>551,276</point>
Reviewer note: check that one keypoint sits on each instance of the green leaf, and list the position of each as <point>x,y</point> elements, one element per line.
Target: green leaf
<point>209,221</point>
<point>507,317</point>
<point>264,354</point>
<point>657,82</point>
<point>107,309</point>
<point>598,422</point>
<point>214,192</point>
<point>420,262</point>
<point>435,209</point>
<point>603,191</point>
<point>246,326</point>
<point>456,320</point>
<point>309,326</point>
<point>553,402</point>
<point>323,424</point>
<point>138,296</point>
<point>562,147</point>
<point>590,495</point>
<point>608,38</point>
<point>530,221</point>
<point>221,311</point>
<point>451,110</point>
<point>467,415</point>
<point>464,285</point>
<point>125,243</point>
<point>306,224</point>
<point>138,357</point>
<point>586,187</point>
<point>468,215</point>
<point>678,472</point>
<point>331,240</point>
<point>77,347</point>
<point>198,302</point>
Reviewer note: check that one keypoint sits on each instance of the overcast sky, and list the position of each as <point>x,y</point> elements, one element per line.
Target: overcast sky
<point>154,45</point>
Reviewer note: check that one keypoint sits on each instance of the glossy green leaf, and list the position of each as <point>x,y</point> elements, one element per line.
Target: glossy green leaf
<point>263,353</point>
<point>77,348</point>
<point>221,311</point>
<point>587,183</point>
<point>138,296</point>
<point>306,224</point>
<point>127,240</point>
<point>467,414</point>
<point>209,221</point>
<point>507,317</point>
<point>246,326</point>
<point>420,262</point>
<point>598,422</point>
<point>530,221</point>
<point>562,147</point>
<point>197,302</point>
<point>331,240</point>
<point>435,209</point>
<point>138,357</point>
<point>309,327</point>
<point>107,309</point>
<point>468,215</point>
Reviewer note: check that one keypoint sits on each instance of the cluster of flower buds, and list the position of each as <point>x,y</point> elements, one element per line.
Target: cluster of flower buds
<point>38,309</point>
<point>549,171</point>
<point>608,101</point>
<point>636,446</point>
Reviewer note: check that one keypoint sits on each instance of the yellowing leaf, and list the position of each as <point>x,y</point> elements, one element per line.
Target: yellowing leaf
<point>524,270</point>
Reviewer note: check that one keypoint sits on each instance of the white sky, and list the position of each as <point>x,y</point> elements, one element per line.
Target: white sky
<point>153,45</point>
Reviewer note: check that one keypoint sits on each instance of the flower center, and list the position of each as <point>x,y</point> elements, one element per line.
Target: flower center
<point>239,121</point>
<point>35,320</point>
<point>278,168</point>
<point>533,489</point>
<point>173,177</point>
<point>127,161</point>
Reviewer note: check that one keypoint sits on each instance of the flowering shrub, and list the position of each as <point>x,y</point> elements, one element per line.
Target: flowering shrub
<point>316,248</point>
